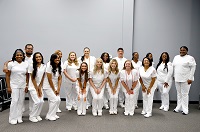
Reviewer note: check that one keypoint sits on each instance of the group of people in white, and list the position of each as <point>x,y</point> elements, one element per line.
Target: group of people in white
<point>95,82</point>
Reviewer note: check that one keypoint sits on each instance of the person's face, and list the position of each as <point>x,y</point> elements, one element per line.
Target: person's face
<point>19,57</point>
<point>113,65</point>
<point>120,53</point>
<point>57,60</point>
<point>146,62</point>
<point>72,56</point>
<point>128,65</point>
<point>150,56</point>
<point>29,50</point>
<point>60,54</point>
<point>83,67</point>
<point>99,64</point>
<point>86,52</point>
<point>105,57</point>
<point>136,56</point>
<point>38,58</point>
<point>164,57</point>
<point>183,52</point>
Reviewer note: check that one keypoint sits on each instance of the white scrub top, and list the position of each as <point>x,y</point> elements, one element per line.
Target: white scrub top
<point>90,61</point>
<point>120,62</point>
<point>184,68</point>
<point>137,65</point>
<point>18,74</point>
<point>71,70</point>
<point>38,77</point>
<point>163,75</point>
<point>113,77</point>
<point>98,78</point>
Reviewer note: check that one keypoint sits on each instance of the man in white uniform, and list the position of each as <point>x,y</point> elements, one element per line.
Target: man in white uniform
<point>120,60</point>
<point>184,69</point>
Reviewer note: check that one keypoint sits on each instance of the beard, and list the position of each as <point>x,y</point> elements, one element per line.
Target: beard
<point>29,53</point>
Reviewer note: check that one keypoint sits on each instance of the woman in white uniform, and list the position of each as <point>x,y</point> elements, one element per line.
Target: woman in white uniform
<point>129,79</point>
<point>150,56</point>
<point>97,81</point>
<point>136,64</point>
<point>148,82</point>
<point>36,77</point>
<point>17,84</point>
<point>51,86</point>
<point>70,67</point>
<point>106,60</point>
<point>164,76</point>
<point>184,69</point>
<point>90,60</point>
<point>82,86</point>
<point>113,85</point>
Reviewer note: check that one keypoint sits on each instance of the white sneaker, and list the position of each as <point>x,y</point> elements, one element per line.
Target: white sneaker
<point>131,114</point>
<point>147,115</point>
<point>121,105</point>
<point>19,120</point>
<point>33,119</point>
<point>125,113</point>
<point>143,113</point>
<point>83,113</point>
<point>58,111</point>
<point>13,122</point>
<point>111,112</point>
<point>115,112</point>
<point>78,112</point>
<point>136,107</point>
<point>39,118</point>
<point>75,107</point>
<point>166,109</point>
<point>99,113</point>
<point>106,107</point>
<point>51,118</point>
<point>161,107</point>
<point>94,113</point>
<point>57,117</point>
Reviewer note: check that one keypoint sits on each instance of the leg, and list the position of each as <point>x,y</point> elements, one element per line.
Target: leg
<point>185,97</point>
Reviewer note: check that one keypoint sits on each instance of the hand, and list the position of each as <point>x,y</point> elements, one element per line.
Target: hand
<point>131,91</point>
<point>148,91</point>
<point>79,98</point>
<point>114,91</point>
<point>96,90</point>
<point>83,91</point>
<point>74,79</point>
<point>9,90</point>
<point>189,81</point>
<point>39,92</point>
<point>143,88</point>
<point>99,90</point>
<point>57,92</point>
<point>166,85</point>
<point>85,99</point>
<point>26,90</point>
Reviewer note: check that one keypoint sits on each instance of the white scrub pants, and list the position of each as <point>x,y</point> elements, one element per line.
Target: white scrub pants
<point>129,103</point>
<point>106,97</point>
<point>71,95</point>
<point>148,100</point>
<point>89,98</point>
<point>136,92</point>
<point>81,104</point>
<point>113,99</point>
<point>183,89</point>
<point>17,95</point>
<point>97,102</point>
<point>121,94</point>
<point>164,94</point>
<point>54,102</point>
<point>37,104</point>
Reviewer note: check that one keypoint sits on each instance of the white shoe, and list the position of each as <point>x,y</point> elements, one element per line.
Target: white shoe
<point>57,117</point>
<point>115,112</point>
<point>99,113</point>
<point>78,112</point>
<point>13,122</point>
<point>166,109</point>
<point>33,119</point>
<point>39,118</point>
<point>125,113</point>
<point>75,107</point>
<point>161,107</point>
<point>147,115</point>
<point>106,107</point>
<point>83,113</point>
<point>111,112</point>
<point>58,111</point>
<point>131,114</point>
<point>143,113</point>
<point>19,120</point>
<point>136,107</point>
<point>94,113</point>
<point>51,119</point>
<point>122,105</point>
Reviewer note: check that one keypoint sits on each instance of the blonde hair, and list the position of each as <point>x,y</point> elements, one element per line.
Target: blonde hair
<point>57,52</point>
<point>110,68</point>
<point>70,61</point>
<point>124,68</point>
<point>95,66</point>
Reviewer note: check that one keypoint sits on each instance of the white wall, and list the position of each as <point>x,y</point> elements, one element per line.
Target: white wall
<point>68,25</point>
<point>166,25</point>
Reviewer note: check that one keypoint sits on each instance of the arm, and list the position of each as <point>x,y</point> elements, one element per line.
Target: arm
<point>68,76</point>
<point>126,87</point>
<point>93,86</point>
<point>8,81</point>
<point>142,84</point>
<point>169,75</point>
<point>27,81</point>
<point>153,79</point>
<point>134,84</point>
<point>59,84</point>
<point>49,77</point>
<point>5,66</point>
<point>192,70</point>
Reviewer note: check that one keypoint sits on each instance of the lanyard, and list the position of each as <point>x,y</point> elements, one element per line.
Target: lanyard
<point>127,76</point>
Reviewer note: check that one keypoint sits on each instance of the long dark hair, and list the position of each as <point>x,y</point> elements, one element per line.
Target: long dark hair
<point>81,72</point>
<point>160,61</point>
<point>82,57</point>
<point>52,63</point>
<point>102,55</point>
<point>147,55</point>
<point>14,54</point>
<point>34,73</point>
